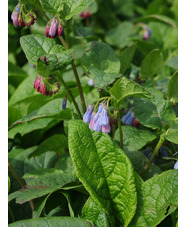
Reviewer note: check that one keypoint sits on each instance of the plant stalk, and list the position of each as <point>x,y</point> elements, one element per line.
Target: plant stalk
<point>120,133</point>
<point>159,144</point>
<point>72,97</point>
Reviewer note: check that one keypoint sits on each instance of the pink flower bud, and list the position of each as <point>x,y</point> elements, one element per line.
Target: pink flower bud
<point>53,28</point>
<point>60,30</point>
<point>47,30</point>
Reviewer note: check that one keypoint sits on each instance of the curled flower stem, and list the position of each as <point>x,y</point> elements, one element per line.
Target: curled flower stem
<point>120,133</point>
<point>13,173</point>
<point>159,144</point>
<point>71,95</point>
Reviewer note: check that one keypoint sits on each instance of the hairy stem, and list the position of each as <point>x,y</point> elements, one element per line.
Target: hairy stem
<point>18,179</point>
<point>120,133</point>
<point>71,95</point>
<point>159,144</point>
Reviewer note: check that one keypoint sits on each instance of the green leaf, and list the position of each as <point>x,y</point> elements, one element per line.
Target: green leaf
<point>14,116</point>
<point>92,212</point>
<point>126,57</point>
<point>172,132</point>
<point>160,18</point>
<point>172,91</point>
<point>43,181</point>
<point>65,163</point>
<point>55,143</point>
<point>151,64</point>
<point>52,62</point>
<point>139,160</point>
<point>36,46</point>
<point>119,36</point>
<point>52,222</point>
<point>101,56</point>
<point>154,114</point>
<point>40,118</point>
<point>72,8</point>
<point>157,198</point>
<point>105,171</point>
<point>173,62</point>
<point>52,6</point>
<point>125,87</point>
<point>102,79</point>
<point>135,139</point>
<point>9,184</point>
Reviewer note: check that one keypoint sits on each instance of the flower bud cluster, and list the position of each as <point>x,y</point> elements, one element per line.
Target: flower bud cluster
<point>97,121</point>
<point>85,15</point>
<point>44,85</point>
<point>21,17</point>
<point>147,33</point>
<point>54,28</point>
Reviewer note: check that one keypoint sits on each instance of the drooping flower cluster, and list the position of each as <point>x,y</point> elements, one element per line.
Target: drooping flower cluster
<point>54,28</point>
<point>85,15</point>
<point>129,119</point>
<point>46,86</point>
<point>21,17</point>
<point>97,121</point>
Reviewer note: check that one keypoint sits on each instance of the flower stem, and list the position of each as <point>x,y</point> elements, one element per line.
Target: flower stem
<point>71,95</point>
<point>13,173</point>
<point>120,133</point>
<point>160,142</point>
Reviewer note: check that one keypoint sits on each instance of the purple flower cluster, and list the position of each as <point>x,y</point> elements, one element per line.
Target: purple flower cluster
<point>97,121</point>
<point>54,28</point>
<point>147,33</point>
<point>129,119</point>
<point>22,18</point>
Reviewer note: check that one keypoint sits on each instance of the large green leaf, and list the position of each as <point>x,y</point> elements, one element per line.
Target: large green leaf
<point>43,181</point>
<point>102,79</point>
<point>105,171</point>
<point>160,18</point>
<point>126,57</point>
<point>118,36</point>
<point>36,46</point>
<point>55,143</point>
<point>157,198</point>
<point>154,114</point>
<point>172,91</point>
<point>101,56</point>
<point>172,132</point>
<point>92,212</point>
<point>53,222</point>
<point>52,6</point>
<point>40,118</point>
<point>151,64</point>
<point>125,87</point>
<point>135,139</point>
<point>74,7</point>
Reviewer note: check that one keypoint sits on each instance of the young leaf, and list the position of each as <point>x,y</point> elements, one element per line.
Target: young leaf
<point>135,139</point>
<point>172,132</point>
<point>53,222</point>
<point>101,56</point>
<point>52,62</point>
<point>72,8</point>
<point>92,212</point>
<point>157,198</point>
<point>118,36</point>
<point>172,92</point>
<point>52,6</point>
<point>36,46</point>
<point>105,171</point>
<point>125,87</point>
<point>154,114</point>
<point>151,64</point>
<point>102,79</point>
<point>126,57</point>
